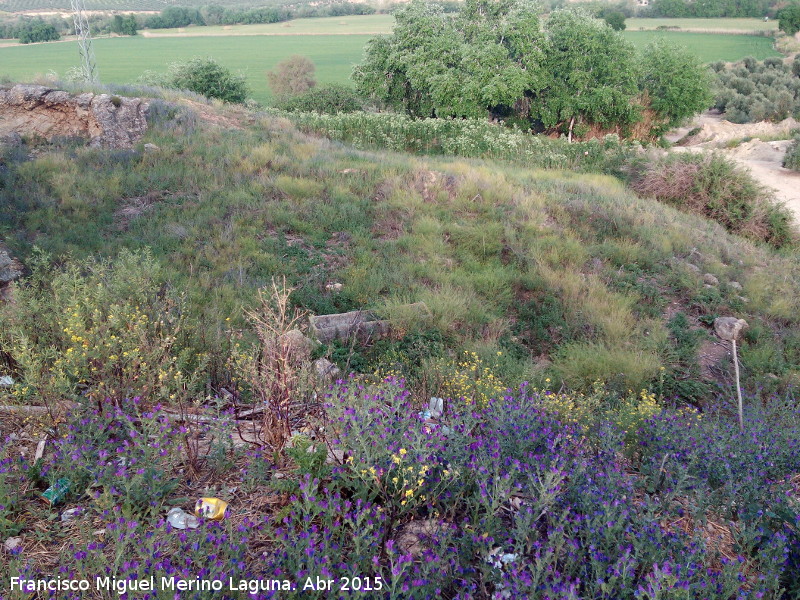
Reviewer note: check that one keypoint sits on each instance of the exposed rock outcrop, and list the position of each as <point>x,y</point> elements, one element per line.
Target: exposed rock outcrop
<point>106,121</point>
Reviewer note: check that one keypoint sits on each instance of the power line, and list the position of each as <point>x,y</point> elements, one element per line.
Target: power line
<point>88,65</point>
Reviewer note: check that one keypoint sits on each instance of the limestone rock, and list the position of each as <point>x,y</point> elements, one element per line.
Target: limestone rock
<point>729,328</point>
<point>106,121</point>
<point>692,267</point>
<point>297,344</point>
<point>151,148</point>
<point>710,279</point>
<point>10,268</point>
<point>415,536</point>
<point>325,369</point>
<point>12,543</point>
<point>735,285</point>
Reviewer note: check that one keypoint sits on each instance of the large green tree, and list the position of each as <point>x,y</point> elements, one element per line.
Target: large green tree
<point>487,57</point>
<point>494,59</point>
<point>676,83</point>
<point>591,74</point>
<point>789,19</point>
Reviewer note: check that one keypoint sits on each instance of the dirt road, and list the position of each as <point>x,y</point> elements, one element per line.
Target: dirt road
<point>763,158</point>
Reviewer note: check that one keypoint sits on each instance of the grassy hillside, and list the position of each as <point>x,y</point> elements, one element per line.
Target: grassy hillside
<point>567,276</point>
<point>142,307</point>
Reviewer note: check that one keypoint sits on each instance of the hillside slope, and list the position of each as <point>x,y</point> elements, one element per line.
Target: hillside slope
<point>545,274</point>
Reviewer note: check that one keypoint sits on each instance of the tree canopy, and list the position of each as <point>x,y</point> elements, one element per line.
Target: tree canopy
<point>496,59</point>
<point>789,19</point>
<point>36,30</point>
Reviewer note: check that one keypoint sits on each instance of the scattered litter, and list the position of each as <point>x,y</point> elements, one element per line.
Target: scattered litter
<point>57,492</point>
<point>334,287</point>
<point>40,449</point>
<point>99,532</point>
<point>70,514</point>
<point>211,508</point>
<point>12,543</point>
<point>436,407</point>
<point>180,519</point>
<point>6,381</point>
<point>432,414</point>
<point>498,558</point>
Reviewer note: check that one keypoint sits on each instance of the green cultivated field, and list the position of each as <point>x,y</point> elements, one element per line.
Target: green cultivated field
<point>711,47</point>
<point>704,24</point>
<point>350,25</point>
<point>122,60</point>
<point>334,44</point>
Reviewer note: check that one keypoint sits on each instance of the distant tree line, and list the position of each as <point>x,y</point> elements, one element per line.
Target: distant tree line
<point>28,31</point>
<point>214,14</point>
<point>711,8</point>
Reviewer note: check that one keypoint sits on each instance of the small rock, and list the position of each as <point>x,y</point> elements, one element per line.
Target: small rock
<point>6,381</point>
<point>735,285</point>
<point>151,148</point>
<point>325,369</point>
<point>692,267</point>
<point>12,544</point>
<point>743,299</point>
<point>10,140</point>
<point>334,287</point>
<point>297,344</point>
<point>10,268</point>
<point>710,279</point>
<point>415,535</point>
<point>729,328</point>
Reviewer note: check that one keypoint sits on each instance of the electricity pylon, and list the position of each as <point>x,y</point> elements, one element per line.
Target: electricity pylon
<point>88,65</point>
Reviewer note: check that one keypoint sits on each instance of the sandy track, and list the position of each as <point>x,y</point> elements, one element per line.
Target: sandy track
<point>763,159</point>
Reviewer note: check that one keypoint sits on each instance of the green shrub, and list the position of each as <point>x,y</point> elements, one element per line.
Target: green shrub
<point>329,99</point>
<point>714,187</point>
<point>751,91</point>
<point>207,77</point>
<point>95,330</point>
<point>792,158</point>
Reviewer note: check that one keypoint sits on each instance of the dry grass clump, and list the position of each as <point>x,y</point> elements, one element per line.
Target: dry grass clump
<point>716,188</point>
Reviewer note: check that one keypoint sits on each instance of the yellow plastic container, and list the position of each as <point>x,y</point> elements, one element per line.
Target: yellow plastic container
<point>211,508</point>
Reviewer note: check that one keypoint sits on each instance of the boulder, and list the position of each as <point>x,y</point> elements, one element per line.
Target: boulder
<point>106,121</point>
<point>10,268</point>
<point>325,369</point>
<point>710,279</point>
<point>729,328</point>
<point>299,347</point>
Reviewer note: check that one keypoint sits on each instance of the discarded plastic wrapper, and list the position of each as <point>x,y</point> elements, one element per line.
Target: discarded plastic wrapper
<point>57,492</point>
<point>70,514</point>
<point>6,381</point>
<point>436,407</point>
<point>211,508</point>
<point>180,519</point>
